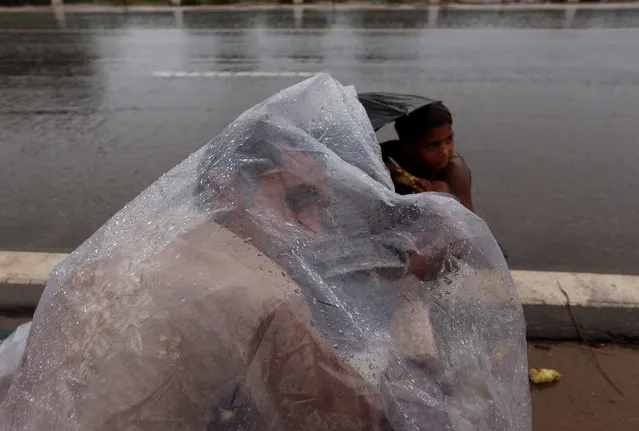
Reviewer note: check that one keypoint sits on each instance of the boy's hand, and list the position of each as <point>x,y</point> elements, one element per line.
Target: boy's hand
<point>418,185</point>
<point>441,187</point>
<point>421,185</point>
<point>401,176</point>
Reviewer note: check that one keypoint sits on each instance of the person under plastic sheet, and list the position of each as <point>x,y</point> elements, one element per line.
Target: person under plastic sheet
<point>179,314</point>
<point>233,358</point>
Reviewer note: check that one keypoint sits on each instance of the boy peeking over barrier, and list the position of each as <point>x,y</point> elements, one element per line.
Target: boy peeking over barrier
<point>424,157</point>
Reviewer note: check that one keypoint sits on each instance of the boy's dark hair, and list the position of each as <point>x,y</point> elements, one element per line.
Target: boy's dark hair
<point>433,115</point>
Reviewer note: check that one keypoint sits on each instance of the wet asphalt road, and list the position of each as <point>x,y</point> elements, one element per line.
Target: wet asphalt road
<point>546,107</point>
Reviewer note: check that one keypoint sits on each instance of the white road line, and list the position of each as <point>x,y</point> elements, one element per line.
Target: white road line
<point>226,74</point>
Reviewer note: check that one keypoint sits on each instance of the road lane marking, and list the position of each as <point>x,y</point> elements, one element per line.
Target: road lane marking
<point>228,74</point>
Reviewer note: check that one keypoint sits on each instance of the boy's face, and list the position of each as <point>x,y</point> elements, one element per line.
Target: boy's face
<point>436,146</point>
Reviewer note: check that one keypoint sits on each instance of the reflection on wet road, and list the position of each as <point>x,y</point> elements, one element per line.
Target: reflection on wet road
<point>94,107</point>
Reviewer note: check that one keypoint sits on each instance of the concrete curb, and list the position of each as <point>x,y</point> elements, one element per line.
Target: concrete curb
<point>22,279</point>
<point>88,8</point>
<point>605,306</point>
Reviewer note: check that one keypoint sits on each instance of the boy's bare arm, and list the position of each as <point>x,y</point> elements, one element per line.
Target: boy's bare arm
<point>458,177</point>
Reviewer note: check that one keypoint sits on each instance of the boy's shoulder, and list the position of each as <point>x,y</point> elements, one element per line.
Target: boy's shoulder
<point>458,169</point>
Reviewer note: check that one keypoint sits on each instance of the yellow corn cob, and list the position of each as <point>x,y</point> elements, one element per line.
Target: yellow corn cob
<point>402,176</point>
<point>543,375</point>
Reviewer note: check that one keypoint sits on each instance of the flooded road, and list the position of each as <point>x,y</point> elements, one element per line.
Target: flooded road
<point>95,106</point>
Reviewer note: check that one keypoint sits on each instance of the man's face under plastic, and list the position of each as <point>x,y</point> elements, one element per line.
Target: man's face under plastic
<point>294,192</point>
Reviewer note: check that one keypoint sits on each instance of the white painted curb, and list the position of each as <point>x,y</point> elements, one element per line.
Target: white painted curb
<point>22,279</point>
<point>24,268</point>
<point>606,307</point>
<point>331,6</point>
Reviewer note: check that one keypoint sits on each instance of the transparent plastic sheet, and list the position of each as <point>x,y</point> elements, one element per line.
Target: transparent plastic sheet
<point>11,351</point>
<point>274,281</point>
